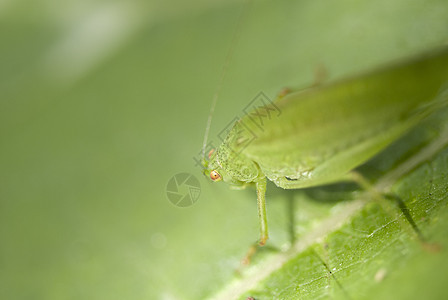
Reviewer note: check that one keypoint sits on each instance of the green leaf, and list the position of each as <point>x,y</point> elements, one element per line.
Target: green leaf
<point>102,103</point>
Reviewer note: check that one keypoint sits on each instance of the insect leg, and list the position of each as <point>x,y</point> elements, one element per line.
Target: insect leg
<point>320,76</point>
<point>261,203</point>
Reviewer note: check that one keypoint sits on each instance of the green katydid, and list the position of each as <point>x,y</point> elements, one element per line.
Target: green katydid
<point>322,133</point>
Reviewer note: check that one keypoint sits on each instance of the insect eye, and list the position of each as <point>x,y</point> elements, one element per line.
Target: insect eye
<point>214,175</point>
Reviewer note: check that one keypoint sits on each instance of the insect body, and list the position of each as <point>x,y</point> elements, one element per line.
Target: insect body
<point>325,132</point>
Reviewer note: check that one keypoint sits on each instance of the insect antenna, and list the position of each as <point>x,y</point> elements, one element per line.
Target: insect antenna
<point>235,38</point>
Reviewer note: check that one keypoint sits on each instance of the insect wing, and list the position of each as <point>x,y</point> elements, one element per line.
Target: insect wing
<point>325,132</point>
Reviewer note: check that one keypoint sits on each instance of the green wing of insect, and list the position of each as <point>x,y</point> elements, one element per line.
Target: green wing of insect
<point>323,133</point>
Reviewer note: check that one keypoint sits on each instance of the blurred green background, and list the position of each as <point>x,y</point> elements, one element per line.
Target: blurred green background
<point>102,102</point>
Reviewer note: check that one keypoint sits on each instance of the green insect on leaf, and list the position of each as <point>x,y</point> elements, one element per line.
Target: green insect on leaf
<point>320,135</point>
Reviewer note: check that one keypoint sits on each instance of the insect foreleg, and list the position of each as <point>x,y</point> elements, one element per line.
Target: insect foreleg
<point>261,203</point>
